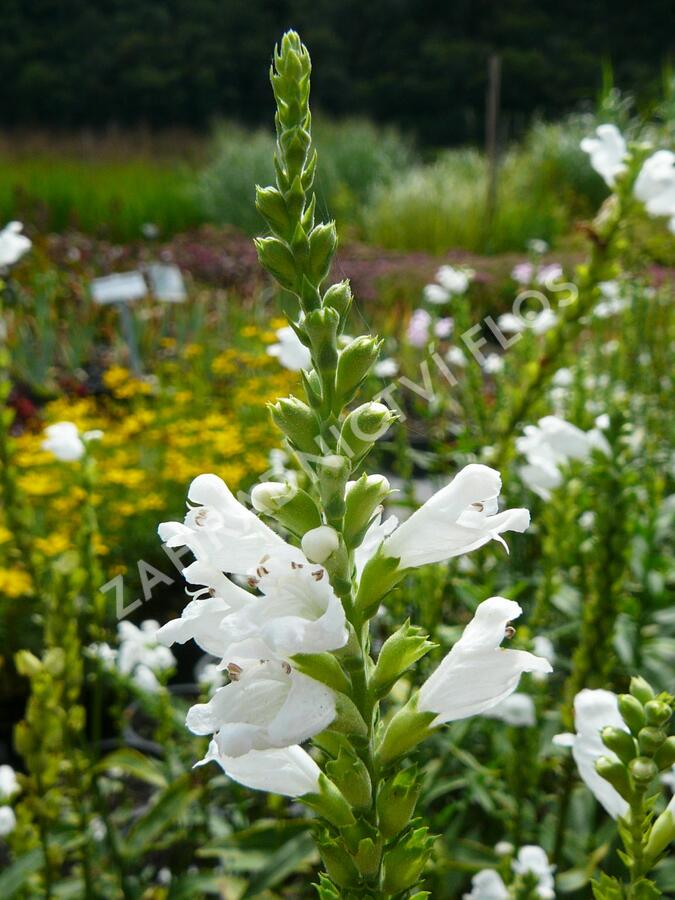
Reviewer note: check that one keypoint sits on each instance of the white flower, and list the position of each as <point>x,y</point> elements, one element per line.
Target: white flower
<point>459,518</point>
<point>13,244</point>
<point>543,646</point>
<point>540,476</point>
<point>139,646</point>
<point>454,281</point>
<point>537,246</point>
<point>533,859</point>
<point>456,357</point>
<point>655,185</point>
<point>372,539</point>
<point>223,535</point>
<point>607,151</point>
<point>538,323</point>
<point>548,274</point>
<point>268,705</point>
<point>64,442</point>
<point>209,675</point>
<point>418,328</point>
<point>593,711</point>
<point>434,293</point>
<point>493,363</point>
<point>516,710</point>
<point>523,272</point>
<point>290,351</point>
<point>478,673</point>
<point>487,885</point>
<point>9,784</point>
<point>385,368</point>
<point>145,679</point>
<point>290,771</point>
<point>7,820</point>
<point>612,303</point>
<point>320,543</point>
<point>563,378</point>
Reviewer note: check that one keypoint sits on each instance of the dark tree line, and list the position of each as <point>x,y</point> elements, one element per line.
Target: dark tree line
<point>419,63</point>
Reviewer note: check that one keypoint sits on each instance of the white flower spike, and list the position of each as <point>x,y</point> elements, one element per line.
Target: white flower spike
<point>607,151</point>
<point>477,673</point>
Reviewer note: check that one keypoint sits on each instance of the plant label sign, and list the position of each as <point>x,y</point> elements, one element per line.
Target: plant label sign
<point>124,287</point>
<point>167,283</point>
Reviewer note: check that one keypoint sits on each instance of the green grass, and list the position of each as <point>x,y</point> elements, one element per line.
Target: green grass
<point>108,198</point>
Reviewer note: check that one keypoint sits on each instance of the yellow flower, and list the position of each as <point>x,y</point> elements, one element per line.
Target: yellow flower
<point>53,545</point>
<point>15,583</point>
<point>5,534</point>
<point>38,484</point>
<point>192,350</point>
<point>278,322</point>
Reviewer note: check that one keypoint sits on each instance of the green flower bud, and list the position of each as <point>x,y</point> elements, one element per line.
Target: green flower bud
<point>404,863</point>
<point>615,773</point>
<point>641,690</point>
<point>330,803</point>
<point>272,206</point>
<point>333,472</point>
<point>351,776</point>
<point>650,739</point>
<point>323,667</point>
<point>338,862</point>
<point>275,256</point>
<point>632,712</point>
<point>657,712</point>
<point>643,771</point>
<point>665,755</point>
<point>620,742</point>
<point>288,504</point>
<point>405,730</point>
<point>396,801</point>
<point>354,364</point>
<point>339,297</point>
<point>320,543</point>
<point>379,576</point>
<point>312,385</point>
<point>400,651</point>
<point>321,326</point>
<point>322,245</point>
<point>298,423</point>
<point>368,856</point>
<point>661,834</point>
<point>363,498</point>
<point>27,663</point>
<point>363,427</point>
<point>325,889</point>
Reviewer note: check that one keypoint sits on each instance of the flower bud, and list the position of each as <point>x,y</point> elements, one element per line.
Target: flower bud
<point>368,856</point>
<point>615,773</point>
<point>354,364</point>
<point>362,427</point>
<point>665,756</point>
<point>620,742</point>
<point>297,421</point>
<point>272,206</point>
<point>403,864</point>
<point>351,776</point>
<point>322,244</point>
<point>396,801</point>
<point>405,730</point>
<point>650,739</point>
<point>657,712</point>
<point>661,834</point>
<point>289,505</point>
<point>333,472</point>
<point>320,543</point>
<point>641,690</point>
<point>363,498</point>
<point>27,663</point>
<point>632,712</point>
<point>379,576</point>
<point>275,256</point>
<point>339,296</point>
<point>643,771</point>
<point>400,651</point>
<point>330,803</point>
<point>338,862</point>
<point>321,326</point>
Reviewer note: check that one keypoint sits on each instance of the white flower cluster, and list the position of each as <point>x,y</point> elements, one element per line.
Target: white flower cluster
<point>655,183</point>
<point>139,655</point>
<point>531,860</point>
<point>268,708</point>
<point>64,441</point>
<point>549,445</point>
<point>450,282</point>
<point>9,786</point>
<point>13,244</point>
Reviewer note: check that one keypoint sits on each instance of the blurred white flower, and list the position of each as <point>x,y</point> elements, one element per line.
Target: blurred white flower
<point>593,711</point>
<point>456,357</point>
<point>140,648</point>
<point>517,710</point>
<point>385,368</point>
<point>563,378</point>
<point>9,784</point>
<point>477,673</point>
<point>455,280</point>
<point>66,443</point>
<point>538,323</point>
<point>290,771</point>
<point>145,679</point>
<point>209,675</point>
<point>13,244</point>
<point>612,302</point>
<point>655,185</point>
<point>493,363</point>
<point>523,273</point>
<point>533,860</point>
<point>290,351</point>
<point>267,705</point>
<point>457,519</point>
<point>487,885</point>
<point>443,328</point>
<point>537,246</point>
<point>607,151</point>
<point>434,293</point>
<point>418,328</point>
<point>7,820</point>
<point>548,274</point>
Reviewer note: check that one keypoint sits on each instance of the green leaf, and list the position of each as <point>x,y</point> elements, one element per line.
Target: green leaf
<point>607,888</point>
<point>295,855</point>
<point>135,764</point>
<point>169,805</point>
<point>14,878</point>
<point>325,668</point>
